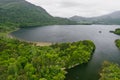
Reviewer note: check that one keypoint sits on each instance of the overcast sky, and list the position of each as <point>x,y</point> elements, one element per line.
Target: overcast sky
<point>85,8</point>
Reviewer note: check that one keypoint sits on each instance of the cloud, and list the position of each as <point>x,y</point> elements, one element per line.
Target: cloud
<point>67,4</point>
<point>87,8</point>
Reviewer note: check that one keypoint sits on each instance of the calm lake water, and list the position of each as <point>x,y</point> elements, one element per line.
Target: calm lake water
<point>104,41</point>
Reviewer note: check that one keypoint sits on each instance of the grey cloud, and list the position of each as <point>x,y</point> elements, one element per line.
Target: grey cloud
<point>70,4</point>
<point>87,8</point>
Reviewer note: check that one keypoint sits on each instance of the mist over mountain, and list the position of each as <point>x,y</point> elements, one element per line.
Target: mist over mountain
<point>112,18</point>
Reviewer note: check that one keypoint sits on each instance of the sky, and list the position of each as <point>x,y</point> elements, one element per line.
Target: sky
<point>85,8</point>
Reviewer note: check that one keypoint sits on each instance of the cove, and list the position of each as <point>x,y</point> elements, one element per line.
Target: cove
<point>99,34</point>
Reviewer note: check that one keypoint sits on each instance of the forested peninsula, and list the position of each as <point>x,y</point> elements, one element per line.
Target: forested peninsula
<point>26,61</point>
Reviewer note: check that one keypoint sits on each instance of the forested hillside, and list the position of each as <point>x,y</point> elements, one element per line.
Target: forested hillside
<point>25,14</point>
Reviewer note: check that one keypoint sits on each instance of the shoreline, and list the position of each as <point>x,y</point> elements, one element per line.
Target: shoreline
<point>42,43</point>
<point>33,42</point>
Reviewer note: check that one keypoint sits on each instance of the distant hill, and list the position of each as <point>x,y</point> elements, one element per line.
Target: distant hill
<point>26,14</point>
<point>113,18</point>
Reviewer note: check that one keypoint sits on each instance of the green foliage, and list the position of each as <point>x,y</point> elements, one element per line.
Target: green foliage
<point>76,52</point>
<point>25,61</point>
<point>110,71</point>
<point>117,42</point>
<point>8,27</point>
<point>117,31</point>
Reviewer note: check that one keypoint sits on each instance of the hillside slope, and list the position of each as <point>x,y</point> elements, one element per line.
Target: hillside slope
<point>26,14</point>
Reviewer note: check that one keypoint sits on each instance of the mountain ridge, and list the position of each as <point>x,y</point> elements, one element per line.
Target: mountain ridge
<point>112,18</point>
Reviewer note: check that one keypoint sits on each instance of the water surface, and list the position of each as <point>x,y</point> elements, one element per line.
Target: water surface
<point>104,41</point>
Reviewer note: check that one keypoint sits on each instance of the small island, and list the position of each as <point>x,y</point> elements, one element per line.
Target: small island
<point>117,41</point>
<point>117,31</point>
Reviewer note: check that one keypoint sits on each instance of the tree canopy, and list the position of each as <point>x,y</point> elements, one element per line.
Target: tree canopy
<point>25,61</point>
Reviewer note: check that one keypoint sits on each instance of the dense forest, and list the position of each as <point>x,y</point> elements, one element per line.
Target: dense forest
<point>110,71</point>
<point>25,61</point>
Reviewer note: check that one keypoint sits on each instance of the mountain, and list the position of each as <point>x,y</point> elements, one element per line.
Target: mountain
<point>24,13</point>
<point>112,18</point>
<point>81,20</point>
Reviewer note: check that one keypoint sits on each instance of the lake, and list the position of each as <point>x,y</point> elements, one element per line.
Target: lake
<point>99,34</point>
